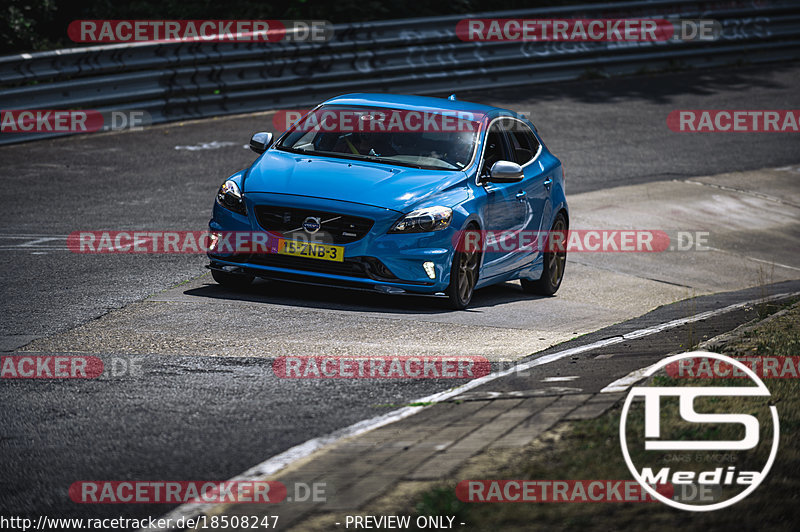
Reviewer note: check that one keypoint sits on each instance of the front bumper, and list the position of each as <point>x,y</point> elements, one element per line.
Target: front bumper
<point>388,263</point>
<point>312,278</point>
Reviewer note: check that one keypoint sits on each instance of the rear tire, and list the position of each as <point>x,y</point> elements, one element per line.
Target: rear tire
<point>463,274</point>
<point>234,281</point>
<point>554,265</point>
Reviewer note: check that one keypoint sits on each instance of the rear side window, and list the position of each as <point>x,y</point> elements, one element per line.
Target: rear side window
<point>523,141</point>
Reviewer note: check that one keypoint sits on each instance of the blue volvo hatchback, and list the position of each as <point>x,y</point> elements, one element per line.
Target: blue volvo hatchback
<point>382,192</point>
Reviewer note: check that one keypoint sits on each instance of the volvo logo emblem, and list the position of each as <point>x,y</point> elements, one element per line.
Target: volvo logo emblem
<point>311,225</point>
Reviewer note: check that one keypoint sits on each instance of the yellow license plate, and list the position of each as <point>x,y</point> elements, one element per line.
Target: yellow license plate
<point>311,250</point>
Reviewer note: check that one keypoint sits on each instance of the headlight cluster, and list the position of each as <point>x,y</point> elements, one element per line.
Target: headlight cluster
<point>230,197</point>
<point>424,220</point>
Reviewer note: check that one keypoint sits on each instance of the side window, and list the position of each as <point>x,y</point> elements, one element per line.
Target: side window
<point>495,148</point>
<point>523,141</point>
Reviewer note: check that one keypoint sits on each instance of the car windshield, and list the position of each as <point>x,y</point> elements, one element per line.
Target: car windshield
<point>438,140</point>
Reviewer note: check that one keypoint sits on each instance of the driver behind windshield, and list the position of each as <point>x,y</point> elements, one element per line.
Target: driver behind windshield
<point>361,143</point>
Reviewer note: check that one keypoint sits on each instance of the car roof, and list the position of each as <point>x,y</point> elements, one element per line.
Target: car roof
<point>411,103</point>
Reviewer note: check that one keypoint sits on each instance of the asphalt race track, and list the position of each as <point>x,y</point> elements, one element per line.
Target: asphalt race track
<point>206,403</point>
<point>608,133</point>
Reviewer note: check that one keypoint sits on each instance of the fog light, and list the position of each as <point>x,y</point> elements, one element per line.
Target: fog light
<point>429,269</point>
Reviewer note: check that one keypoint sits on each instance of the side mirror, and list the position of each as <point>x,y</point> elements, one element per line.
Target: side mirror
<point>260,141</point>
<point>505,172</point>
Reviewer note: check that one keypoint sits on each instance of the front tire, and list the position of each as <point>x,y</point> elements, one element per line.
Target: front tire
<point>463,274</point>
<point>234,281</point>
<point>554,264</point>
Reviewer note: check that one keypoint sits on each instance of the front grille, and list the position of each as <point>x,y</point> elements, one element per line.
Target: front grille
<point>349,268</point>
<point>334,228</point>
<point>363,267</point>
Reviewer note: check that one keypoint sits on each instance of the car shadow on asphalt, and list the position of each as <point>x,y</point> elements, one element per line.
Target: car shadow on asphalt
<point>300,295</point>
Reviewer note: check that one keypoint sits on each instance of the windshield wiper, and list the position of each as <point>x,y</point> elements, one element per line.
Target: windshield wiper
<point>376,157</point>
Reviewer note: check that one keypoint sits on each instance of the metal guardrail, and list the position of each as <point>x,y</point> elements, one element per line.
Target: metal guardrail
<point>177,81</point>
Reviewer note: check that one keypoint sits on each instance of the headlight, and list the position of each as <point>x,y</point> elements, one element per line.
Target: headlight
<point>424,220</point>
<point>230,197</point>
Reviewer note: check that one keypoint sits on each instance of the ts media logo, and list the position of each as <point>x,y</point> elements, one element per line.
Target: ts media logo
<point>702,463</point>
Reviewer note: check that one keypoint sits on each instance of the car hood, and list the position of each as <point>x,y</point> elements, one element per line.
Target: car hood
<point>380,185</point>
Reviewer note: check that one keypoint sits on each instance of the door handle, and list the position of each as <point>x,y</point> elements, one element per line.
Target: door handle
<point>548,182</point>
<point>521,195</point>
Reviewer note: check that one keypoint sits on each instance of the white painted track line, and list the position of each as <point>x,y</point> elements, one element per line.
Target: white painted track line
<point>620,385</point>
